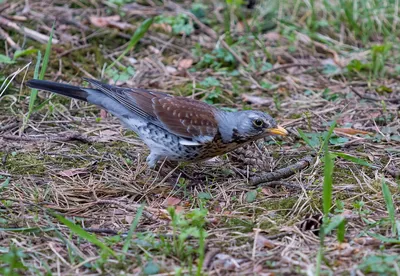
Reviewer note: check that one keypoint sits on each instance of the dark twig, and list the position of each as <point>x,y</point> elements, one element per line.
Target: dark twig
<point>282,173</point>
<point>374,98</point>
<point>286,184</point>
<point>59,138</point>
<point>282,67</point>
<point>9,126</point>
<point>393,171</point>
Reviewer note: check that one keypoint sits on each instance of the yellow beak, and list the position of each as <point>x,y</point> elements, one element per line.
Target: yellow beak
<point>278,131</point>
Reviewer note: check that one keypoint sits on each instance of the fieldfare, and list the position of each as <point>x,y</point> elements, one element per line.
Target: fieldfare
<point>175,128</point>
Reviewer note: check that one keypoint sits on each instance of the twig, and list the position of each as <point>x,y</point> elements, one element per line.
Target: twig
<point>393,171</point>
<point>59,138</point>
<point>131,207</point>
<point>286,184</point>
<point>9,39</point>
<point>26,31</point>
<point>282,67</point>
<point>282,173</point>
<point>374,98</point>
<point>209,257</point>
<point>9,126</point>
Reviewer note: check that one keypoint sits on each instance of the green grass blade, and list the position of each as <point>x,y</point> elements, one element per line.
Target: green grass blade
<point>328,135</point>
<point>389,206</point>
<point>353,159</point>
<point>40,76</point>
<point>134,224</point>
<point>5,183</point>
<point>327,187</point>
<point>333,223</point>
<point>305,138</point>
<point>341,231</point>
<point>139,33</point>
<point>47,54</point>
<point>34,91</point>
<point>79,231</point>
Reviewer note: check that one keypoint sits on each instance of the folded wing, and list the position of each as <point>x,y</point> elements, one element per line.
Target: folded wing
<point>187,118</point>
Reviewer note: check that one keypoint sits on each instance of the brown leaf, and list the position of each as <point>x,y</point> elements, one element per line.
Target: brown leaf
<point>267,191</point>
<point>272,36</point>
<point>73,172</point>
<point>367,241</point>
<point>352,131</point>
<point>262,242</point>
<point>172,201</point>
<point>103,113</point>
<point>129,219</point>
<point>164,27</point>
<point>102,22</point>
<point>256,100</point>
<point>109,21</point>
<point>185,63</point>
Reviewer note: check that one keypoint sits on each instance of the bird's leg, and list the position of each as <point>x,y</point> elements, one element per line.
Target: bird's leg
<point>152,159</point>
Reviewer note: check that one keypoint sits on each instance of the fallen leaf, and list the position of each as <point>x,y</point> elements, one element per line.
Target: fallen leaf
<point>108,135</point>
<point>352,131</point>
<point>367,241</point>
<point>171,201</point>
<point>272,36</point>
<point>73,172</point>
<point>109,21</point>
<point>103,114</point>
<point>179,209</point>
<point>267,191</point>
<point>263,242</point>
<point>185,63</point>
<point>129,219</point>
<point>170,70</point>
<point>102,22</point>
<point>256,100</point>
<point>162,26</point>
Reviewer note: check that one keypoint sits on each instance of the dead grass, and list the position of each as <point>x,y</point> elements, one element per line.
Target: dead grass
<point>77,162</point>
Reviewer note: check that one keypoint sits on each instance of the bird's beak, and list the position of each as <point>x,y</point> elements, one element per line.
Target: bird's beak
<point>278,131</point>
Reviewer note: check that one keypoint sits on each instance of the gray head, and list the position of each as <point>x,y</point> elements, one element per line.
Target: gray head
<point>249,125</point>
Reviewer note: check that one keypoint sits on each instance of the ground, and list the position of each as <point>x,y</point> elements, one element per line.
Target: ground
<point>77,197</point>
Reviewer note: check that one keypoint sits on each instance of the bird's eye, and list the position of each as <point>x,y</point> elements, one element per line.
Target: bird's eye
<point>258,122</point>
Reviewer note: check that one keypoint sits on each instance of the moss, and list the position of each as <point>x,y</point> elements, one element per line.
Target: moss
<point>245,226</point>
<point>280,204</point>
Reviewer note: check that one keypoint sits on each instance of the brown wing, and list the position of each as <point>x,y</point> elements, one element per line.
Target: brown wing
<point>186,117</point>
<point>182,116</point>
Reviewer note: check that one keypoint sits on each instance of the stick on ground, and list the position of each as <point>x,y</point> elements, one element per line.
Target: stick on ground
<point>282,173</point>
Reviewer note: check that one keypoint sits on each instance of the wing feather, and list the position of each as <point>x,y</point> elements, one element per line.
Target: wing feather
<point>187,118</point>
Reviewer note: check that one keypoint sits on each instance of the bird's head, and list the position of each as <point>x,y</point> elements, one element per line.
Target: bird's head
<point>250,125</point>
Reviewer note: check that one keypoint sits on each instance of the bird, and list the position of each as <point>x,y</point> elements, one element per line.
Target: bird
<point>173,127</point>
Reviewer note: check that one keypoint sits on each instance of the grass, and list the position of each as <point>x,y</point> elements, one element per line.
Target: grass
<point>79,208</point>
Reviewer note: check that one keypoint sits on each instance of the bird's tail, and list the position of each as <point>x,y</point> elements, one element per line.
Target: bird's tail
<point>72,91</point>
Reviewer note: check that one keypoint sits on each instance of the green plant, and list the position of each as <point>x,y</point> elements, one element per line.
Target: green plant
<point>329,223</point>
<point>40,76</point>
<point>391,209</point>
<point>180,23</point>
<point>12,262</point>
<point>139,33</point>
<point>185,227</point>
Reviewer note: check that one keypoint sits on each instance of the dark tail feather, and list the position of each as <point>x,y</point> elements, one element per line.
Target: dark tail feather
<point>75,92</point>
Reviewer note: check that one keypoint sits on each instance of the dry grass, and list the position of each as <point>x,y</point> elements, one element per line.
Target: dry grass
<point>73,160</point>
